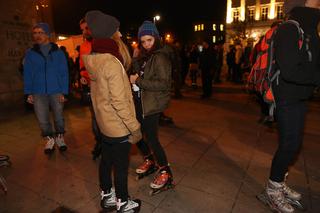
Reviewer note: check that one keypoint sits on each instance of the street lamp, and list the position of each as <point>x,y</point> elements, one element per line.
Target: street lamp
<point>156,18</point>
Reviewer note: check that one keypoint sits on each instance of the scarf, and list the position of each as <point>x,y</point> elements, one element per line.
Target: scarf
<point>106,45</point>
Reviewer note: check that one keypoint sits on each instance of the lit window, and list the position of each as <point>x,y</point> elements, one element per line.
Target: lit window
<point>251,14</point>
<point>195,28</point>
<point>279,12</point>
<point>221,27</point>
<point>214,39</point>
<point>236,15</point>
<point>214,27</point>
<point>202,27</point>
<point>264,13</point>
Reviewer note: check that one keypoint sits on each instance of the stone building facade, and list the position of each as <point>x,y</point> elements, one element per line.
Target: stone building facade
<point>250,19</point>
<point>16,20</point>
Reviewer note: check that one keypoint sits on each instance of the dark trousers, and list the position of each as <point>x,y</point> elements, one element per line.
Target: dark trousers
<point>290,118</point>
<point>206,76</point>
<point>150,125</point>
<point>237,75</point>
<point>115,155</point>
<point>193,76</point>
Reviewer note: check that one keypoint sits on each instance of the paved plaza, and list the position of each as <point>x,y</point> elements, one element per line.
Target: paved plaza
<point>220,157</point>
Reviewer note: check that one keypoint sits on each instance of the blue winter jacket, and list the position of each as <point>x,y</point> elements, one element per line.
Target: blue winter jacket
<point>45,75</point>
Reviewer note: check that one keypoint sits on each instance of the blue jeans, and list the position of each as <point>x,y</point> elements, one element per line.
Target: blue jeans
<point>42,106</point>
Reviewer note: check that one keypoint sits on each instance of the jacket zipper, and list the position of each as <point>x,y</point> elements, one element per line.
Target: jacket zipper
<point>45,75</point>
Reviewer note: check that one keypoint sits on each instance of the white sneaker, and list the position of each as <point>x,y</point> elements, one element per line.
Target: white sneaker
<point>49,147</point>
<point>60,142</point>
<point>108,200</point>
<point>129,206</point>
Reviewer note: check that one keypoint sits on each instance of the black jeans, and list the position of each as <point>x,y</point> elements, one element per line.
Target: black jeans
<point>115,154</point>
<point>149,127</point>
<point>290,118</point>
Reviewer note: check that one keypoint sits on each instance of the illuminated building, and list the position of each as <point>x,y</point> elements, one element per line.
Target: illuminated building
<point>209,31</point>
<point>249,19</point>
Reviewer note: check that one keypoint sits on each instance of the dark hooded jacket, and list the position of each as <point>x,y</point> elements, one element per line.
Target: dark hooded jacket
<point>298,75</point>
<point>155,84</point>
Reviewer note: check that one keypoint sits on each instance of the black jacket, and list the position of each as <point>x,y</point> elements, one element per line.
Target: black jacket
<point>298,76</point>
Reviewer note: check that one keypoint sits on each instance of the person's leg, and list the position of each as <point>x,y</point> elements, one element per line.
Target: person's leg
<point>57,109</point>
<point>105,167</point>
<point>193,74</point>
<point>120,155</point>
<point>206,83</point>
<point>142,145</point>
<point>290,125</point>
<point>108,197</point>
<point>41,109</point>
<point>150,126</point>
<point>290,118</point>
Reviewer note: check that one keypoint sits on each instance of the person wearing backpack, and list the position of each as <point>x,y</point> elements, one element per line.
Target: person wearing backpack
<point>299,74</point>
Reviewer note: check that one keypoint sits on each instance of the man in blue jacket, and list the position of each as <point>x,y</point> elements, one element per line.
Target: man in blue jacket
<point>46,83</point>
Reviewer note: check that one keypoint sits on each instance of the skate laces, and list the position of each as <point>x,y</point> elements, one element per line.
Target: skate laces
<point>290,192</point>
<point>278,198</point>
<point>146,165</point>
<point>50,142</point>
<point>161,178</point>
<point>126,205</point>
<point>111,195</point>
<point>60,140</point>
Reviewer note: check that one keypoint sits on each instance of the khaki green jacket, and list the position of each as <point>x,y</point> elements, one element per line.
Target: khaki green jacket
<point>111,95</point>
<point>155,84</point>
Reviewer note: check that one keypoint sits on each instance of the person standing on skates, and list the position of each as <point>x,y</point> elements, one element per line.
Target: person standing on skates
<point>151,85</point>
<point>114,109</point>
<point>299,74</point>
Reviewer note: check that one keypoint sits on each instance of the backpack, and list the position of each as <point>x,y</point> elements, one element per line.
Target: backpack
<point>264,70</point>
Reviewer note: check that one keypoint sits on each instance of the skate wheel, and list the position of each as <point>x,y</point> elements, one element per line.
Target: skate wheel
<point>298,204</point>
<point>154,192</point>
<point>262,198</point>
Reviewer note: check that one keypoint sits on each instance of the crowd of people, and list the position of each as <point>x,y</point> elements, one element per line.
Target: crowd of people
<point>127,95</point>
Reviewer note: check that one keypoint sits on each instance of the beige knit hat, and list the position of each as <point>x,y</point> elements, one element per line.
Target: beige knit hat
<point>290,4</point>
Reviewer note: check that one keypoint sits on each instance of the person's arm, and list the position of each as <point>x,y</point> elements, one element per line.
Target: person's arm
<point>63,70</point>
<point>162,80</point>
<point>293,67</point>
<point>27,74</point>
<point>116,82</point>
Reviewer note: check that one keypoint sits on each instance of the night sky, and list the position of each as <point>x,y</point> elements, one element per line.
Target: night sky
<point>176,16</point>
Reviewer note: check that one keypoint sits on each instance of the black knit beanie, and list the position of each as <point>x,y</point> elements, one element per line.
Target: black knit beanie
<point>101,25</point>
